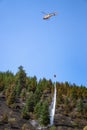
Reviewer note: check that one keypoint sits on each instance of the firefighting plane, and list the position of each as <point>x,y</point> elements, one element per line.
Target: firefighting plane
<point>47,16</point>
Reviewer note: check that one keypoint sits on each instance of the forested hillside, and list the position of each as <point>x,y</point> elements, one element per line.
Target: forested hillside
<point>23,99</point>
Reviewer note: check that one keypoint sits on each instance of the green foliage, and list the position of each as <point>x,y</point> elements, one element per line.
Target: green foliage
<point>11,96</point>
<point>32,84</point>
<point>25,113</point>
<point>23,94</point>
<point>1,81</point>
<point>18,89</point>
<point>30,103</point>
<point>6,79</point>
<point>44,116</point>
<point>53,128</point>
<point>80,106</point>
<point>66,101</point>
<point>42,112</point>
<point>85,108</point>
<point>73,94</point>
<point>37,109</point>
<point>20,80</point>
<point>38,95</point>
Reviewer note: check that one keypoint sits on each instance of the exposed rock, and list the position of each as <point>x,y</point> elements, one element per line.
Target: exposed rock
<point>66,122</point>
<point>34,123</point>
<point>61,119</point>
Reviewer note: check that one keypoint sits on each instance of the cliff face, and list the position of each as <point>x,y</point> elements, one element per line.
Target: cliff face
<point>69,119</point>
<point>63,120</point>
<point>71,107</point>
<point>23,99</point>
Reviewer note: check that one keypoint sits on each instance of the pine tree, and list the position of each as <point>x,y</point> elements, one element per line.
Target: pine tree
<point>11,98</point>
<point>45,117</point>
<point>80,106</point>
<point>25,113</point>
<point>20,80</point>
<point>30,103</point>
<point>37,109</point>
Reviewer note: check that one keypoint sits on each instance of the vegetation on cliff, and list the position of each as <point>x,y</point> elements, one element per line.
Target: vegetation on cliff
<point>33,98</point>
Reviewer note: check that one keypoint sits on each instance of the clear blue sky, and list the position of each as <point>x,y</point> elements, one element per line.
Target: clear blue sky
<point>44,48</point>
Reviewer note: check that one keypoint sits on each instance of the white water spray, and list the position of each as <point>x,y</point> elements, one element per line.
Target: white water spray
<point>53,106</point>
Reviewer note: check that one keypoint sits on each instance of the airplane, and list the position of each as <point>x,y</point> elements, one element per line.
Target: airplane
<point>47,16</point>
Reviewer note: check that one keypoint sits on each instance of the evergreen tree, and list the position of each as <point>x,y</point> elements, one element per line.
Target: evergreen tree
<point>11,98</point>
<point>80,106</point>
<point>20,80</point>
<point>45,117</point>
<point>32,84</point>
<point>74,93</point>
<point>37,109</point>
<point>25,113</point>
<point>1,82</point>
<point>30,103</point>
<point>23,94</point>
<point>85,109</point>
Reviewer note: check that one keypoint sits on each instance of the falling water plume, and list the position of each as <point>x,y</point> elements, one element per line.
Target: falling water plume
<point>53,106</point>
